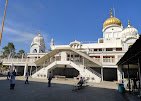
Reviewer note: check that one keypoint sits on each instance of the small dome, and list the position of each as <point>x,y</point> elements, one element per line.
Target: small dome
<point>111,20</point>
<point>37,45</point>
<point>75,42</point>
<point>38,39</point>
<point>130,31</point>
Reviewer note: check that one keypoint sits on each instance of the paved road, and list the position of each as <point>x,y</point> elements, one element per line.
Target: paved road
<point>61,90</point>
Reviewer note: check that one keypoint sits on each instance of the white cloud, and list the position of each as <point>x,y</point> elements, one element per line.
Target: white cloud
<point>18,35</point>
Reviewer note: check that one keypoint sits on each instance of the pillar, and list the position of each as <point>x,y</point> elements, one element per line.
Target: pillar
<point>128,73</point>
<point>31,71</point>
<point>84,64</point>
<point>101,73</point>
<point>139,74</point>
<point>63,56</point>
<point>119,74</point>
<point>11,68</point>
<point>25,69</point>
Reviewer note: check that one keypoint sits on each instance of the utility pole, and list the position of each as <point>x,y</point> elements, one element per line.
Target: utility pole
<point>4,16</point>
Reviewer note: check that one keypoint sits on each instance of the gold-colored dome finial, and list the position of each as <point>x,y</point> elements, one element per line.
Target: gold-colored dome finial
<point>112,20</point>
<point>111,13</point>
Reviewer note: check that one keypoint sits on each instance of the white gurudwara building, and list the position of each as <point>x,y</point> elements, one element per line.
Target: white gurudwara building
<point>93,61</point>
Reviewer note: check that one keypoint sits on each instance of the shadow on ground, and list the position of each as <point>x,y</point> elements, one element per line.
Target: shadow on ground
<point>38,91</point>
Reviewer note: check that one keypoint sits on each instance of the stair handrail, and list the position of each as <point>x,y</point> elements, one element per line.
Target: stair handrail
<point>90,69</point>
<point>36,70</point>
<point>44,65</point>
<point>93,71</point>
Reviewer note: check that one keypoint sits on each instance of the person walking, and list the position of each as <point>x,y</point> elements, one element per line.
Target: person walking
<point>49,79</point>
<point>80,83</point>
<point>26,76</point>
<point>12,81</point>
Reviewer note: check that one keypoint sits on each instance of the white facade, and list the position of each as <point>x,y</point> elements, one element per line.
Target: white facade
<point>96,61</point>
<point>115,42</point>
<point>109,49</point>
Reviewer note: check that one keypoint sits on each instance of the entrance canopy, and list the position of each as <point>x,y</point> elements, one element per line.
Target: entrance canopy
<point>132,57</point>
<point>87,60</point>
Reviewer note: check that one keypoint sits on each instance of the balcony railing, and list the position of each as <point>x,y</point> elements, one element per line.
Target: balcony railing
<point>17,60</point>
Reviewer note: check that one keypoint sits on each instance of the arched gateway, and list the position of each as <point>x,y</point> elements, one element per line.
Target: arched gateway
<point>68,58</point>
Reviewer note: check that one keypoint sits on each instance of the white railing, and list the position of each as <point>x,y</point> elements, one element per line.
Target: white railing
<point>36,70</point>
<point>89,69</point>
<point>97,59</point>
<point>106,60</point>
<point>93,71</point>
<point>110,60</point>
<point>17,60</point>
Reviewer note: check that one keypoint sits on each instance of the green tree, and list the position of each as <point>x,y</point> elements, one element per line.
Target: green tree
<point>21,53</point>
<point>8,50</point>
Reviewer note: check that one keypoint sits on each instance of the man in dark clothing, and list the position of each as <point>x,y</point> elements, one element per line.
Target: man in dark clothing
<point>12,81</point>
<point>80,83</point>
<point>26,76</point>
<point>49,79</point>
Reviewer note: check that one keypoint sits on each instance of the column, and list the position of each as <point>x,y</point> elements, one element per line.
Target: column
<point>119,74</point>
<point>83,61</point>
<point>70,57</point>
<point>128,73</point>
<point>31,71</point>
<point>83,64</point>
<point>63,56</point>
<point>11,68</point>
<point>139,74</point>
<point>101,73</point>
<point>25,69</point>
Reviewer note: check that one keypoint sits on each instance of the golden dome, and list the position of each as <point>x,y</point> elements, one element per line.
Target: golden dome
<point>111,20</point>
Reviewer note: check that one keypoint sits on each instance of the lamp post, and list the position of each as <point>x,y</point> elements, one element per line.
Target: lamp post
<point>4,16</point>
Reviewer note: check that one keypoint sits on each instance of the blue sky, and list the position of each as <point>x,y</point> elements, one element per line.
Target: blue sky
<point>63,20</point>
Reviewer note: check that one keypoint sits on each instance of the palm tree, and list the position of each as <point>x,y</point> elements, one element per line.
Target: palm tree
<point>21,53</point>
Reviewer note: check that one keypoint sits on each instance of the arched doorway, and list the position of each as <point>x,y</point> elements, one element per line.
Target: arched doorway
<point>67,71</point>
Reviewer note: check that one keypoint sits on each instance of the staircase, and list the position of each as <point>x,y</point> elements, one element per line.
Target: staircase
<point>88,73</point>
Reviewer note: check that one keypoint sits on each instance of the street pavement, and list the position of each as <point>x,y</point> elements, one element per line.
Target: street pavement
<point>61,90</point>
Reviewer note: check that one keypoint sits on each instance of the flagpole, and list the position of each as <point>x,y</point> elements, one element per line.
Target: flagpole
<point>4,16</point>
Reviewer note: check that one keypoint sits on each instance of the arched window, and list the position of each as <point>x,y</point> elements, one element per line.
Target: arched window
<point>41,51</point>
<point>35,51</point>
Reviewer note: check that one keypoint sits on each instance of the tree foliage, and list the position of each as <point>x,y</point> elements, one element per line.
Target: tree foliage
<point>9,51</point>
<point>21,53</point>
